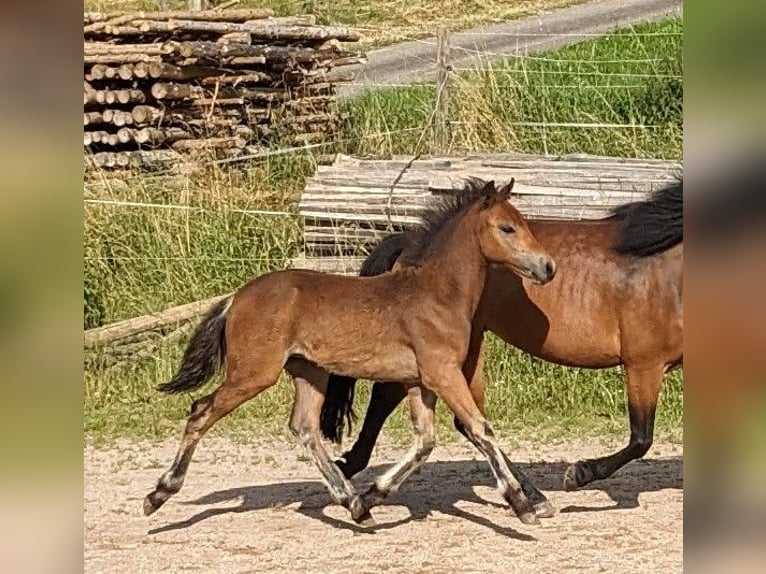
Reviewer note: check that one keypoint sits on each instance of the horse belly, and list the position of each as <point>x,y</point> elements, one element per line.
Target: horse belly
<point>370,363</point>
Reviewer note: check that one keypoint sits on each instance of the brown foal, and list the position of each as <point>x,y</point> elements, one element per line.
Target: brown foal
<point>412,325</point>
<point>616,300</point>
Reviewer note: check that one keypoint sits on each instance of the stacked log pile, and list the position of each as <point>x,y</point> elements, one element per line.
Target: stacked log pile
<point>349,206</point>
<point>228,82</point>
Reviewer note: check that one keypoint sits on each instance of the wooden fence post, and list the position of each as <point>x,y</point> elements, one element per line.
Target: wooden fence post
<point>443,69</point>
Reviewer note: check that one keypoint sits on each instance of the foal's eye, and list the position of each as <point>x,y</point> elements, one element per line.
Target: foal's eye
<point>505,228</point>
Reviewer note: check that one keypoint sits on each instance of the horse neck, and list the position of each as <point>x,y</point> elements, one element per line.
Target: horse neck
<point>457,269</point>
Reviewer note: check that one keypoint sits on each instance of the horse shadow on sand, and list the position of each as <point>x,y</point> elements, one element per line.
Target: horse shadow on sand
<point>439,486</point>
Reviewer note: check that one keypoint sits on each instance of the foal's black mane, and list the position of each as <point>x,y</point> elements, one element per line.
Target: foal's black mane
<point>653,225</point>
<point>440,214</point>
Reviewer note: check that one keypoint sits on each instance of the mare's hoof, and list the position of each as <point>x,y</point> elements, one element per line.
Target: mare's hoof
<point>151,503</point>
<point>544,509</point>
<point>577,475</point>
<point>346,467</point>
<point>529,518</point>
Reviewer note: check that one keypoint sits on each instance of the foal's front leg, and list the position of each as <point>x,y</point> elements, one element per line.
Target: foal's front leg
<point>448,382</point>
<point>422,403</point>
<point>310,386</point>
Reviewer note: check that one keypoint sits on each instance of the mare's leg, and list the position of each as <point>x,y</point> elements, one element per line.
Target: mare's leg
<point>450,385</point>
<point>473,371</point>
<point>310,388</point>
<point>384,399</point>
<point>205,412</point>
<point>422,403</point>
<point>643,390</point>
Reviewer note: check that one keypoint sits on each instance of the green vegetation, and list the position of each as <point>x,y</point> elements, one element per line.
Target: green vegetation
<point>631,78</point>
<point>141,259</point>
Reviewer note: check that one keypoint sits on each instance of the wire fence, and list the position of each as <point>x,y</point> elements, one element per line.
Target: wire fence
<point>617,94</point>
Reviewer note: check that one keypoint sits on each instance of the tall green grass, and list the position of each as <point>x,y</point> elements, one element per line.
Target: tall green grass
<point>142,259</point>
<point>629,82</point>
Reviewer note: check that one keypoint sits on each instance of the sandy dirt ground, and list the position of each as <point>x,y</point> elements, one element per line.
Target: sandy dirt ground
<point>261,508</point>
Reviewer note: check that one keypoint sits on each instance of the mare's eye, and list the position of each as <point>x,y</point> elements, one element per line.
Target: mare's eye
<point>505,228</point>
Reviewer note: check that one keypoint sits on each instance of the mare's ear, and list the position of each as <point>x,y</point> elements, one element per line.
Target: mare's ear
<point>489,194</point>
<point>504,193</point>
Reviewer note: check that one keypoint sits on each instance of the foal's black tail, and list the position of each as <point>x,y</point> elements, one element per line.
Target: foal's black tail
<point>205,353</point>
<point>338,407</point>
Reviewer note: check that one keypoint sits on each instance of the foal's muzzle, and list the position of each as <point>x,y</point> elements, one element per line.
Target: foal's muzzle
<point>544,270</point>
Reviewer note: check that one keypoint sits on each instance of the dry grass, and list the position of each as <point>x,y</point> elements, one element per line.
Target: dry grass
<point>382,22</point>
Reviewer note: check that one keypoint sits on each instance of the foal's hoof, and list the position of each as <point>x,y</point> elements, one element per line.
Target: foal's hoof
<point>152,502</point>
<point>365,520</point>
<point>577,475</point>
<point>529,518</point>
<point>360,512</point>
<point>544,509</point>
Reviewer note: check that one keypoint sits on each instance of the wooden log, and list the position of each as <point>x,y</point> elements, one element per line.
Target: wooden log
<point>164,71</point>
<point>139,158</point>
<point>167,91</point>
<point>90,118</point>
<point>236,15</point>
<point>235,38</point>
<point>98,71</point>
<point>119,58</point>
<point>104,49</point>
<point>252,78</point>
<point>125,71</point>
<point>122,118</point>
<point>161,135</point>
<point>213,51</point>
<point>131,327</point>
<point>209,143</point>
<point>272,31</point>
<point>244,61</point>
<point>125,135</point>
<point>145,114</point>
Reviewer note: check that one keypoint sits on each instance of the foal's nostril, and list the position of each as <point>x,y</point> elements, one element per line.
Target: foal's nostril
<point>550,269</point>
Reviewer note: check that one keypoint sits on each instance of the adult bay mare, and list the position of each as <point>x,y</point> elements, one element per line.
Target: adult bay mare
<point>412,326</point>
<point>616,300</point>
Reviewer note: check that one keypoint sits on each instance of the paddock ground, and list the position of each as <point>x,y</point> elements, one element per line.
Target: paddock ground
<point>261,508</point>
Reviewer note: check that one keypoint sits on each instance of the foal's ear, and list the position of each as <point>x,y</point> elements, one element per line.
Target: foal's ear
<point>504,193</point>
<point>489,193</point>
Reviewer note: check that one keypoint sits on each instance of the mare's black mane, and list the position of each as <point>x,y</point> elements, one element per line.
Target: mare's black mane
<point>653,225</point>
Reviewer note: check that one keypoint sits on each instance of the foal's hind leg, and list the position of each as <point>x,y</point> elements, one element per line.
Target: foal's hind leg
<point>448,382</point>
<point>643,391</point>
<point>205,412</point>
<point>310,387</point>
<point>422,403</point>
